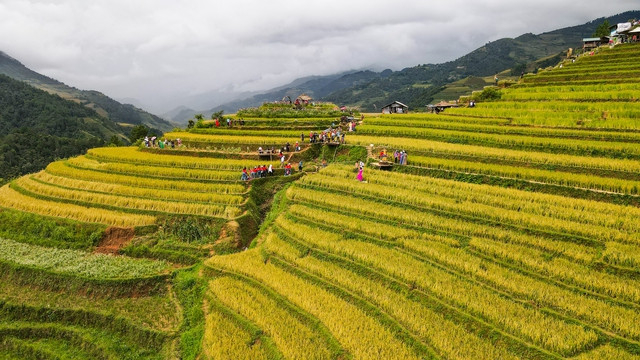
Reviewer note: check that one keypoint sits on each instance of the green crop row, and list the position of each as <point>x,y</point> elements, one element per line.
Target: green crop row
<point>47,231</point>
<point>580,75</point>
<point>611,95</point>
<point>561,269</point>
<point>51,340</point>
<point>240,137</point>
<point>428,117</point>
<point>588,81</point>
<point>206,134</point>
<point>78,263</point>
<point>573,69</point>
<point>143,337</point>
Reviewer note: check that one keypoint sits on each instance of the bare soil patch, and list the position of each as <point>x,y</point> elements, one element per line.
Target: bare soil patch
<point>114,239</point>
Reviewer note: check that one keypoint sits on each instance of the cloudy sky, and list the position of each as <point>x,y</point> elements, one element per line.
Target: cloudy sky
<point>162,51</point>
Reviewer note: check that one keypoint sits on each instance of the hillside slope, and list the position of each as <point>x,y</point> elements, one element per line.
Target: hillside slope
<point>125,114</point>
<point>416,86</point>
<point>37,127</point>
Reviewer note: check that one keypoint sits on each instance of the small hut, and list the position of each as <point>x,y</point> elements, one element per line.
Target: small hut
<point>592,43</point>
<point>395,107</point>
<point>304,99</point>
<point>441,106</point>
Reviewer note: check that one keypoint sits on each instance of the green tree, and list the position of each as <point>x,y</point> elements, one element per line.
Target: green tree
<point>217,114</point>
<point>602,29</point>
<point>190,124</point>
<point>518,69</point>
<point>138,132</point>
<point>198,117</point>
<point>115,141</point>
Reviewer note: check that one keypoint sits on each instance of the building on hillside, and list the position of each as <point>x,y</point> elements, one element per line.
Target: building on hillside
<point>304,99</point>
<point>624,32</point>
<point>441,106</point>
<point>592,43</point>
<point>395,107</point>
<point>634,34</point>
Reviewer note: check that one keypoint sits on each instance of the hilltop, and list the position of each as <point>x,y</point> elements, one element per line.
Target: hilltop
<point>316,86</point>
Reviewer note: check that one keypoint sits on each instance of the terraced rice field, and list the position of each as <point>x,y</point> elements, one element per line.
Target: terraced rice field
<point>511,233</point>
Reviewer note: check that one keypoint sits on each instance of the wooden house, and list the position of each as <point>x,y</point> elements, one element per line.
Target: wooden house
<point>395,107</point>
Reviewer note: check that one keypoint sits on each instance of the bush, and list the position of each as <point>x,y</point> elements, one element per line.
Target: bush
<point>488,94</point>
<point>191,229</point>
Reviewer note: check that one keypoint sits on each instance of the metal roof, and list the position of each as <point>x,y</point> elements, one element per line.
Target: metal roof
<point>396,102</point>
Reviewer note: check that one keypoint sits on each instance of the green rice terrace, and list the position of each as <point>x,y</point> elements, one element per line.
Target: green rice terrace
<point>513,231</point>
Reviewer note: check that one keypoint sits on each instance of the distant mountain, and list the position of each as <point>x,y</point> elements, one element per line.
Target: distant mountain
<point>314,86</point>
<point>179,115</point>
<point>417,86</point>
<point>125,114</point>
<point>37,127</point>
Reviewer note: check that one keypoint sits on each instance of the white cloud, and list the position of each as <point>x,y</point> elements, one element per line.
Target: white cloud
<point>159,51</point>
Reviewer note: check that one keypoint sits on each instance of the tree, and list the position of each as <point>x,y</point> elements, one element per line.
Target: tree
<point>217,114</point>
<point>115,141</point>
<point>138,132</point>
<point>602,29</point>
<point>198,117</point>
<point>519,69</point>
<point>190,124</point>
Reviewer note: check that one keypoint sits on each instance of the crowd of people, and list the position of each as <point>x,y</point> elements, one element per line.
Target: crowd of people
<point>352,125</point>
<point>285,148</point>
<point>257,172</point>
<point>400,157</point>
<point>262,171</point>
<point>230,122</point>
<point>326,136</point>
<point>166,143</point>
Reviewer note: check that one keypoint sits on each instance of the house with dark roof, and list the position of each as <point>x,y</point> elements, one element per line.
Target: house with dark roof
<point>395,107</point>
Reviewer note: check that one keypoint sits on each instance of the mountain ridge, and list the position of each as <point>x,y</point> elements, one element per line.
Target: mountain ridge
<point>373,91</point>
<point>103,104</point>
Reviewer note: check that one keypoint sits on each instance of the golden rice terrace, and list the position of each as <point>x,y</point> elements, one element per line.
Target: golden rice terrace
<point>512,232</point>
